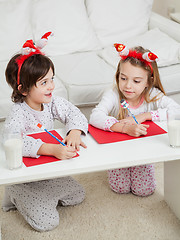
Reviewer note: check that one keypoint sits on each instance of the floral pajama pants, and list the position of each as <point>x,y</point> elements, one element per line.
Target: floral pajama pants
<point>139,180</point>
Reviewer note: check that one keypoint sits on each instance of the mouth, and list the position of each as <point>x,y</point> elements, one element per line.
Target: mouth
<point>128,92</point>
<point>48,95</point>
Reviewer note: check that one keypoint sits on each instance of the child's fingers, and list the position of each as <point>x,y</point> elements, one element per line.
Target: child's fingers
<point>144,125</point>
<point>83,144</point>
<point>143,129</point>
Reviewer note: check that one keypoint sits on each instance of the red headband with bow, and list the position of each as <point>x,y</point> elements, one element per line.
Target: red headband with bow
<point>29,49</point>
<point>146,57</point>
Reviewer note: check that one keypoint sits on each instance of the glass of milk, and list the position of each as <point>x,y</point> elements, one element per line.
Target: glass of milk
<point>173,124</point>
<point>12,143</point>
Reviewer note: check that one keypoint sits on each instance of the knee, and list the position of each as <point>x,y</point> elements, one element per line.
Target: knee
<point>75,197</point>
<point>46,223</point>
<point>119,188</point>
<point>143,180</point>
<point>143,190</point>
<point>80,193</point>
<point>119,180</point>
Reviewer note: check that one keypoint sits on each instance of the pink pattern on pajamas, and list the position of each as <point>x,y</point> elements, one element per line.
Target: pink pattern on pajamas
<point>140,180</point>
<point>155,115</point>
<point>109,122</point>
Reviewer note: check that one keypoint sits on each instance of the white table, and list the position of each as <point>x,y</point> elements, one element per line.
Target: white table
<point>98,157</point>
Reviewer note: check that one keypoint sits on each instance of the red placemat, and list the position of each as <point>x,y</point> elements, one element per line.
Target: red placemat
<point>103,137</point>
<point>45,137</point>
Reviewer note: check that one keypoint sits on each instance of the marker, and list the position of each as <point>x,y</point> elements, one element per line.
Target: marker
<point>41,126</point>
<point>124,104</point>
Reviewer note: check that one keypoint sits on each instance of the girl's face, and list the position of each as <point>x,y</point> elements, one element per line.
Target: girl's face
<point>132,82</point>
<point>41,93</point>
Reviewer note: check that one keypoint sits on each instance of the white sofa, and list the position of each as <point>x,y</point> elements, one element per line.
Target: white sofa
<point>82,46</point>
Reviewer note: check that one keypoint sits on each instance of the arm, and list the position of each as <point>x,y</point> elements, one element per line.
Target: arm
<point>100,115</point>
<point>134,130</point>
<point>16,121</point>
<point>163,104</point>
<point>68,114</point>
<point>75,122</point>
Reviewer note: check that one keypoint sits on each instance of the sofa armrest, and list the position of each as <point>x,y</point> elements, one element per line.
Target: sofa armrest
<point>166,25</point>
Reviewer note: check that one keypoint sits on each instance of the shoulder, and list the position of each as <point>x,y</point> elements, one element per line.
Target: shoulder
<point>111,94</point>
<point>61,103</point>
<point>15,115</point>
<point>57,99</point>
<point>17,108</point>
<point>156,92</point>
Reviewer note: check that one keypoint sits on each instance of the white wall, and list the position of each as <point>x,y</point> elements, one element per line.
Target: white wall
<point>162,6</point>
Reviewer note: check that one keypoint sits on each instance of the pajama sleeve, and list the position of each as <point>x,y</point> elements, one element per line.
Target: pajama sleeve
<point>100,115</point>
<point>163,104</point>
<point>68,114</point>
<point>15,123</point>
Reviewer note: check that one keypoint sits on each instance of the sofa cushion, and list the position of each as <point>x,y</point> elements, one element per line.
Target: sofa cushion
<point>6,91</point>
<point>166,48</point>
<point>170,78</point>
<point>69,22</point>
<point>15,26</point>
<point>85,76</point>
<point>117,20</point>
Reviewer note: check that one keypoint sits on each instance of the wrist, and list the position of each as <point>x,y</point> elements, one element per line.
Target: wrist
<point>75,131</point>
<point>148,116</point>
<point>46,149</point>
<point>123,128</point>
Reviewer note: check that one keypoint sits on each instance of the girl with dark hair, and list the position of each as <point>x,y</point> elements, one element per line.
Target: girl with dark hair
<point>31,76</point>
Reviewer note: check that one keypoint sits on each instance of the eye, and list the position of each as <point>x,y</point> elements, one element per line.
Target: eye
<point>123,78</point>
<point>52,78</point>
<point>44,83</point>
<point>136,81</point>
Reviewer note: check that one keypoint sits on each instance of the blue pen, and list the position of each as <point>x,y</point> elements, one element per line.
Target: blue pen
<point>124,104</point>
<point>40,126</point>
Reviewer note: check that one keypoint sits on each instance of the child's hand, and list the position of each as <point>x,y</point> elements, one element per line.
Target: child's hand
<point>135,130</point>
<point>73,139</point>
<point>63,152</point>
<point>57,150</point>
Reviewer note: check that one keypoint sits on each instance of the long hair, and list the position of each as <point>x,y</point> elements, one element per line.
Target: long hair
<point>153,79</point>
<point>33,69</point>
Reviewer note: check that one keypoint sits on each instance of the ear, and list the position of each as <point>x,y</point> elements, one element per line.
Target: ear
<point>152,80</point>
<point>20,90</point>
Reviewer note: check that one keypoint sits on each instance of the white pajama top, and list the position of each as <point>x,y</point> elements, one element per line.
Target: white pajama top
<point>23,118</point>
<point>104,115</point>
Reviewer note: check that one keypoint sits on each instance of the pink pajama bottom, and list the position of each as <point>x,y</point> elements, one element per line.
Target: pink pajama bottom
<point>139,180</point>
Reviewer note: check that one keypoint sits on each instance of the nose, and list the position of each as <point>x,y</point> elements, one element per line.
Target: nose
<point>128,84</point>
<point>51,85</point>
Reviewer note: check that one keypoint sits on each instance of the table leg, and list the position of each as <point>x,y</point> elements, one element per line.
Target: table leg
<point>172,185</point>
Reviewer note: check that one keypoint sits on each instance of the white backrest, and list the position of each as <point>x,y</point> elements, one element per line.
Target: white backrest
<point>117,20</point>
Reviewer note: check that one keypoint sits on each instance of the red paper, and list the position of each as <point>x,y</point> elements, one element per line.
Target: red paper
<point>102,136</point>
<point>45,137</point>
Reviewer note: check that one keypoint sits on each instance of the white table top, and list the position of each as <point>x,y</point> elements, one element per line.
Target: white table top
<point>96,157</point>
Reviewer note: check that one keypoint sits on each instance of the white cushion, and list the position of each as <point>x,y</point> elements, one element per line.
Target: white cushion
<point>60,89</point>
<point>85,76</point>
<point>69,22</point>
<point>15,26</point>
<point>170,77</point>
<point>5,92</point>
<point>117,20</point>
<point>166,48</point>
